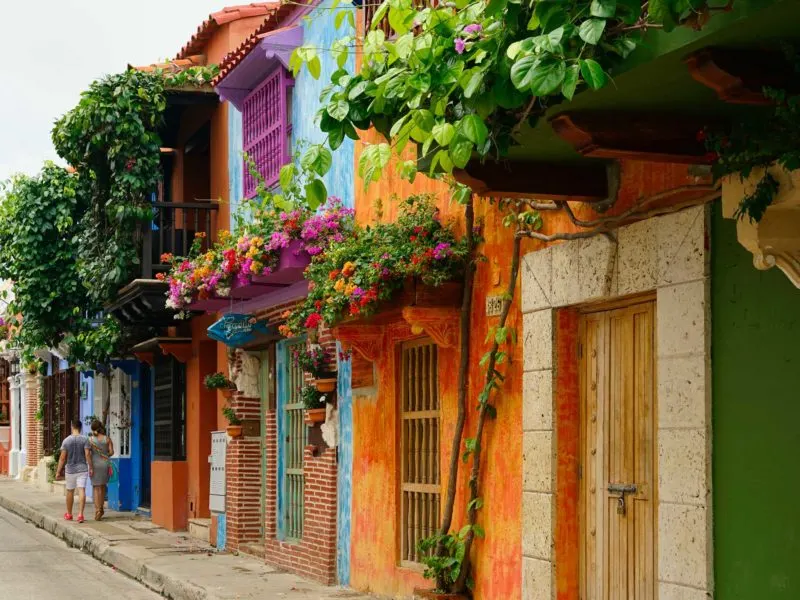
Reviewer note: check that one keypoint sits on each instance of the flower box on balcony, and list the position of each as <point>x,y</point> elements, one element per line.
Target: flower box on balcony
<point>291,263</point>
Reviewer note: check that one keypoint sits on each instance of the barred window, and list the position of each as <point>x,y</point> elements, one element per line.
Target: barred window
<point>419,447</point>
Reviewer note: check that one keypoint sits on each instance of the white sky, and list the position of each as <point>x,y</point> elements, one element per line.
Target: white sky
<point>51,50</point>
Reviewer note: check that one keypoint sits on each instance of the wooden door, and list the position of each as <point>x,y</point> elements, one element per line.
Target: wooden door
<point>618,479</point>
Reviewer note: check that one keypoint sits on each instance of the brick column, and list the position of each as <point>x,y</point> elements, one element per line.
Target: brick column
<point>315,555</point>
<point>33,427</point>
<point>271,497</point>
<point>243,478</point>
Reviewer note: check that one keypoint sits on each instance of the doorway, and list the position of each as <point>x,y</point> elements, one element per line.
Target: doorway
<point>617,472</point>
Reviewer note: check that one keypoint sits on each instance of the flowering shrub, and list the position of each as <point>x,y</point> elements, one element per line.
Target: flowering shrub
<point>235,259</point>
<point>353,275</point>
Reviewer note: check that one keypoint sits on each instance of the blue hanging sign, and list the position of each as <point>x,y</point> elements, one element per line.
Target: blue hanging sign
<point>237,330</point>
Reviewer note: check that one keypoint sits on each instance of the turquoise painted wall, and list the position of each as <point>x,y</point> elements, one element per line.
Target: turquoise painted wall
<point>235,166</point>
<point>756,419</point>
<point>319,30</point>
<point>344,393</point>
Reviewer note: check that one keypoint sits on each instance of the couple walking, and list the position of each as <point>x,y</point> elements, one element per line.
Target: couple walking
<point>84,457</point>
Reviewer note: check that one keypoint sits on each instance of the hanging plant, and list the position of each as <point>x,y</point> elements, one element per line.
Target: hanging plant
<point>768,138</point>
<point>460,78</point>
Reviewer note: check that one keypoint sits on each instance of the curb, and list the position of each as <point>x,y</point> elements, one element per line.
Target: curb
<point>135,568</point>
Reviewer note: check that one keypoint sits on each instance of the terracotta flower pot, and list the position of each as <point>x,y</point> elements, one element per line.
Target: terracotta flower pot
<point>234,431</point>
<point>313,416</point>
<point>432,595</point>
<point>227,392</point>
<point>325,385</point>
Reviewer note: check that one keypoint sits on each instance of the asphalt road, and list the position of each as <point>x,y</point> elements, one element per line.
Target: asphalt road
<point>34,565</point>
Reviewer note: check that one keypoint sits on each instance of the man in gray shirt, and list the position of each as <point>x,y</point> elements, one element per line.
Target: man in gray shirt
<point>76,455</point>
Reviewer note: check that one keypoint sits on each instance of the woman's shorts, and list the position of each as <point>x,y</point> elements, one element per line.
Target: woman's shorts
<point>76,480</point>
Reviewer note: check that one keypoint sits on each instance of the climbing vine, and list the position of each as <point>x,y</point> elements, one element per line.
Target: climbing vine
<point>70,237</point>
<point>38,225</point>
<point>460,78</point>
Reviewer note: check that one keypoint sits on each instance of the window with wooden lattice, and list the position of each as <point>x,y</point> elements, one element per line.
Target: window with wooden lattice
<point>420,485</point>
<point>267,129</point>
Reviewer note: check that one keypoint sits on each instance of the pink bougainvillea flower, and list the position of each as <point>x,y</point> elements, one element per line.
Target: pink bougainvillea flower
<point>460,45</point>
<point>473,28</point>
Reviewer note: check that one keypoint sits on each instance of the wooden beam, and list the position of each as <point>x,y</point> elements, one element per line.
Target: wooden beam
<point>548,181</point>
<point>634,136</point>
<point>740,76</point>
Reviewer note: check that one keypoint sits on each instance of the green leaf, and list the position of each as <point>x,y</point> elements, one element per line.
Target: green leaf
<point>474,83</point>
<point>591,30</point>
<point>357,90</point>
<point>336,137</point>
<point>339,109</point>
<point>403,45</point>
<point>523,71</point>
<point>551,15</point>
<point>286,175</point>
<point>339,19</point>
<point>314,67</point>
<point>570,81</point>
<point>443,133</point>
<point>548,76</point>
<point>316,193</point>
<point>424,120</point>
<point>660,12</point>
<point>478,530</point>
<point>472,128</point>
<point>460,151</point>
<point>593,74</point>
<point>475,503</point>
<point>603,8</point>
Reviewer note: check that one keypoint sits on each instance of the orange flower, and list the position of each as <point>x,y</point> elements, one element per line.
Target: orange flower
<point>200,234</point>
<point>286,314</point>
<point>348,269</point>
<point>160,276</point>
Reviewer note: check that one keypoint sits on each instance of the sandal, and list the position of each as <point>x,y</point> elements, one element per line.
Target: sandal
<point>80,519</point>
<point>67,517</point>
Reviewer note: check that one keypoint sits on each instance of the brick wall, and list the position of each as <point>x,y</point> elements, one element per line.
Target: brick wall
<point>243,474</point>
<point>33,427</point>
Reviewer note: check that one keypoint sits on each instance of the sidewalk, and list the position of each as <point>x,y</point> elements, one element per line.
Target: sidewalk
<point>172,564</point>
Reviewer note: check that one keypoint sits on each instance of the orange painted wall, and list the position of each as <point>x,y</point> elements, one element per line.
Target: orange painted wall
<point>170,489</point>
<point>497,558</point>
<point>201,417</point>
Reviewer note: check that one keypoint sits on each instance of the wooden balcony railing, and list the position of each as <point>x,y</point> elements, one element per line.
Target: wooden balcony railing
<point>173,230</point>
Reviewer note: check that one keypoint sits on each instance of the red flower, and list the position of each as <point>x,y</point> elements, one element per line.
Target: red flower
<point>313,320</point>
<point>318,304</point>
<point>333,274</point>
<point>166,257</point>
<point>712,156</point>
<point>417,229</point>
<point>354,309</point>
<point>160,276</point>
<point>701,135</point>
<point>413,238</point>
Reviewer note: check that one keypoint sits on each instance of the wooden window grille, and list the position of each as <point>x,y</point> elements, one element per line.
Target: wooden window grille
<point>120,412</point>
<point>295,441</point>
<point>419,447</point>
<point>266,129</point>
<point>61,404</point>
<point>169,409</point>
<point>5,392</point>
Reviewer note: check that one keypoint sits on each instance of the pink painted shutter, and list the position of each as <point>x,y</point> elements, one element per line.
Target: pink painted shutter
<point>264,129</point>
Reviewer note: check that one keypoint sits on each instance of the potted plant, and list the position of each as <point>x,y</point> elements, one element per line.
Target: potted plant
<point>234,428</point>
<point>314,402</point>
<point>218,381</point>
<point>314,360</point>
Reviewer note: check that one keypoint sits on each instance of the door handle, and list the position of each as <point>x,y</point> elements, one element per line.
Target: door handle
<point>623,489</point>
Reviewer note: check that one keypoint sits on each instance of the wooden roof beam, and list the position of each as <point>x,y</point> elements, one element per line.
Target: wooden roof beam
<point>548,181</point>
<point>651,137</point>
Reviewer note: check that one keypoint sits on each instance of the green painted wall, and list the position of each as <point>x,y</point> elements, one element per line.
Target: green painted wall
<point>756,413</point>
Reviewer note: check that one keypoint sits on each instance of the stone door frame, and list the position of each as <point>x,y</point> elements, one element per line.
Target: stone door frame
<point>668,254</point>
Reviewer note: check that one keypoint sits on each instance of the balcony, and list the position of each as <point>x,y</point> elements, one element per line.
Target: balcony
<point>142,302</point>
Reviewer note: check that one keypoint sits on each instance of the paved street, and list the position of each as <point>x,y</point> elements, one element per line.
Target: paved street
<point>38,566</point>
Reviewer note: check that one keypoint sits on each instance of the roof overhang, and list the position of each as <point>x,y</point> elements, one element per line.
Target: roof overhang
<point>274,49</point>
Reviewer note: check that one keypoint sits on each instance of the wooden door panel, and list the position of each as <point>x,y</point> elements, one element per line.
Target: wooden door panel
<point>618,447</point>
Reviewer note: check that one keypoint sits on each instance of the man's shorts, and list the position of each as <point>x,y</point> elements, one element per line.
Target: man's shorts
<point>76,480</point>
